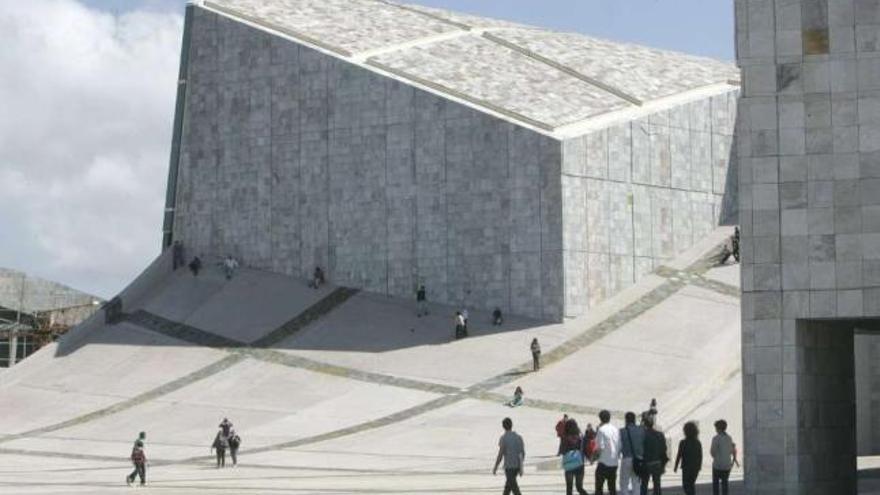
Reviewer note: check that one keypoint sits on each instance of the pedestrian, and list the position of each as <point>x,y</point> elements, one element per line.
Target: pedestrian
<point>512,450</point>
<point>632,437</point>
<point>655,456</point>
<point>573,457</point>
<point>195,265</point>
<point>497,320</point>
<point>690,457</point>
<point>225,427</point>
<point>723,452</point>
<point>177,255</point>
<point>139,460</point>
<point>517,398</point>
<point>234,444</point>
<point>230,264</point>
<point>220,444</point>
<point>592,446</point>
<point>607,452</point>
<point>536,354</point>
<point>317,278</point>
<point>560,432</point>
<point>464,316</point>
<point>735,244</point>
<point>421,302</point>
<point>460,329</point>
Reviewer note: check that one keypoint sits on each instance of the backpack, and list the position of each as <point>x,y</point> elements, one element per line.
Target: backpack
<point>590,446</point>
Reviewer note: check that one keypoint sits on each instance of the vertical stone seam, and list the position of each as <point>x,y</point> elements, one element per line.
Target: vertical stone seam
<point>386,126</point>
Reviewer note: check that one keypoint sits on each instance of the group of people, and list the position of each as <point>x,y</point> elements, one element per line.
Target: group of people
<point>636,453</point>
<point>225,439</point>
<point>229,263</point>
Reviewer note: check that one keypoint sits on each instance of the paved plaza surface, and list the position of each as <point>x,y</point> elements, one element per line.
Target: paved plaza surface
<point>340,392</point>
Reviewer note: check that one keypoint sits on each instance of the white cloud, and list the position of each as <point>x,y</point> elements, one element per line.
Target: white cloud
<point>86,107</point>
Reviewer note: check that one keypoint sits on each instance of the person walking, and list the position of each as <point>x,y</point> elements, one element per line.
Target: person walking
<point>512,451</point>
<point>421,302</point>
<point>723,452</point>
<point>139,460</point>
<point>573,458</point>
<point>195,265</point>
<point>497,319</point>
<point>234,444</point>
<point>220,444</point>
<point>560,432</point>
<point>655,456</point>
<point>460,329</point>
<point>230,264</point>
<point>607,450</point>
<point>536,354</point>
<point>632,437</point>
<point>689,457</point>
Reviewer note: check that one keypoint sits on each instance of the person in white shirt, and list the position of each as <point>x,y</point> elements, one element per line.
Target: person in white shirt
<point>608,450</point>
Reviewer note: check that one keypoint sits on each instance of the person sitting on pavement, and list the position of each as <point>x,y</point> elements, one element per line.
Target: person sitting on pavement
<point>517,398</point>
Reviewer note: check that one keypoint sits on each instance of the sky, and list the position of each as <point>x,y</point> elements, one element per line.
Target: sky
<point>87,100</point>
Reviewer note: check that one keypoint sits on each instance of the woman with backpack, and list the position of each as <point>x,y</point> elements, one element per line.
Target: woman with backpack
<point>234,444</point>
<point>573,446</point>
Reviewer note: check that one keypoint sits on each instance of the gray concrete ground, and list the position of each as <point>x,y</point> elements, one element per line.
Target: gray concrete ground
<point>366,398</point>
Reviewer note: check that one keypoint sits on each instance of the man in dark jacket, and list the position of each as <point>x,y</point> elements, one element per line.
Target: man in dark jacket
<point>139,460</point>
<point>655,456</point>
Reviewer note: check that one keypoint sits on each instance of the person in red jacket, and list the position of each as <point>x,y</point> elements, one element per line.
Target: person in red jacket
<point>560,432</point>
<point>139,459</point>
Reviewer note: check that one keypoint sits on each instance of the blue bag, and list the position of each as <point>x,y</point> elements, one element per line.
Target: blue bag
<point>572,459</point>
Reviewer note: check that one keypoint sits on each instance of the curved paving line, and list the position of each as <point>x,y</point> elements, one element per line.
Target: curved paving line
<point>294,361</point>
<point>155,393</point>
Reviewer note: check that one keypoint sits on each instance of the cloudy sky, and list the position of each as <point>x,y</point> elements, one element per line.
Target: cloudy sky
<point>86,104</point>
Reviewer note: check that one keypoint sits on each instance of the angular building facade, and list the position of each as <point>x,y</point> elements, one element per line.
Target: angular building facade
<point>394,145</point>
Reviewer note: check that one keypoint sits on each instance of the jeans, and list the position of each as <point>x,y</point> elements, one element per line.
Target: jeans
<point>575,477</point>
<point>689,481</point>
<point>139,470</point>
<point>233,452</point>
<point>629,482</point>
<point>653,472</point>
<point>221,457</point>
<point>606,473</point>
<point>421,308</point>
<point>720,476</point>
<point>536,361</point>
<point>511,486</point>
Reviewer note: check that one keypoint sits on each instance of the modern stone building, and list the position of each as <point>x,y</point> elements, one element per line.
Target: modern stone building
<point>809,143</point>
<point>394,145</point>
